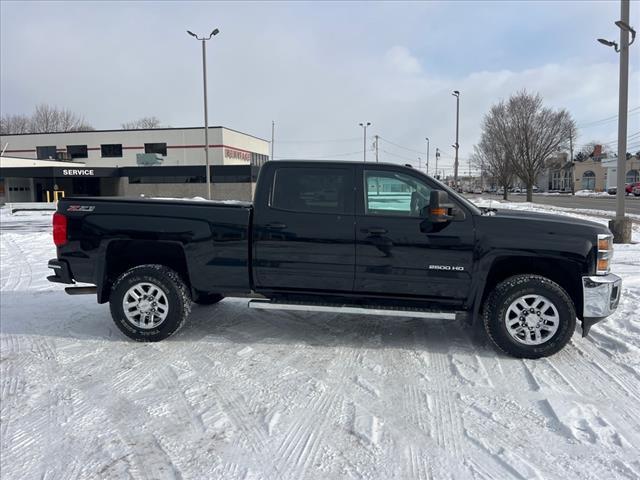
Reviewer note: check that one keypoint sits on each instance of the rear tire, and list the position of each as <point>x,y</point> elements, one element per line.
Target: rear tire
<point>208,298</point>
<point>529,316</point>
<point>149,303</point>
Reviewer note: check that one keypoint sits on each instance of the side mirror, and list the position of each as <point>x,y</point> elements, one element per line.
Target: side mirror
<point>440,210</point>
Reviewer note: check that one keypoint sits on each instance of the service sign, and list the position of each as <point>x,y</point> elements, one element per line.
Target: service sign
<point>78,172</point>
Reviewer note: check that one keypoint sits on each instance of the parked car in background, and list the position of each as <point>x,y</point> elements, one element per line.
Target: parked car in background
<point>628,188</point>
<point>636,189</point>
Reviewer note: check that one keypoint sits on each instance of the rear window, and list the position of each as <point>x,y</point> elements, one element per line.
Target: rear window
<point>317,190</point>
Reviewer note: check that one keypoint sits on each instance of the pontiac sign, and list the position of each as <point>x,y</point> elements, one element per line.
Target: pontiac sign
<point>237,154</point>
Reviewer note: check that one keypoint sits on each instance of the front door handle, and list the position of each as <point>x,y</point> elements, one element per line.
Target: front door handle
<point>276,226</point>
<point>375,231</point>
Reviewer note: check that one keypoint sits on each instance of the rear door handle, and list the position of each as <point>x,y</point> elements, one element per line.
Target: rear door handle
<point>375,231</point>
<point>276,226</point>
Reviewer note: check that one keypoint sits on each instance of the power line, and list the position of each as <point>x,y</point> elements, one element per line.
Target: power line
<point>401,146</point>
<point>322,156</point>
<point>412,160</point>
<point>633,111</point>
<point>335,140</point>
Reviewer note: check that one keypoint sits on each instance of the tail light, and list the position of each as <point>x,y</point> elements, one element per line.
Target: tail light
<point>59,229</point>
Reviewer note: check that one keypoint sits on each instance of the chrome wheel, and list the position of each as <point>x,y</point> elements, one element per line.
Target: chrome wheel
<point>145,305</point>
<point>532,319</point>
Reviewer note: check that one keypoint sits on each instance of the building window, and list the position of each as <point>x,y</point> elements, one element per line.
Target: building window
<point>633,176</point>
<point>77,151</point>
<point>258,159</point>
<point>111,150</point>
<point>173,179</point>
<point>45,153</point>
<point>588,180</point>
<point>160,148</point>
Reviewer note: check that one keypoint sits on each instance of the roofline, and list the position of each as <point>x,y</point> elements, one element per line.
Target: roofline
<point>131,130</point>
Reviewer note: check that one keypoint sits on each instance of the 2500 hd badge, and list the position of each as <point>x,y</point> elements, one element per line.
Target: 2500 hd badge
<point>446,267</point>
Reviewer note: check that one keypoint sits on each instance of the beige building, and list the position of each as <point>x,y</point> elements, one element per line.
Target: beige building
<point>589,175</point>
<point>154,162</point>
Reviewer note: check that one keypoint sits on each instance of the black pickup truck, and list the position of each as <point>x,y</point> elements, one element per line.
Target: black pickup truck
<point>340,236</point>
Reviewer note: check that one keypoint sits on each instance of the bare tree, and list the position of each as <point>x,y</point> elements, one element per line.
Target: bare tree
<point>492,158</point>
<point>529,133</point>
<point>144,122</point>
<point>45,118</point>
<point>12,124</point>
<point>593,149</point>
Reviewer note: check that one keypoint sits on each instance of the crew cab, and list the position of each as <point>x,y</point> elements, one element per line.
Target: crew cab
<point>341,236</point>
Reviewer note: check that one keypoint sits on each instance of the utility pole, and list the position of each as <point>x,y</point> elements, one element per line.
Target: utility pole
<point>573,182</point>
<point>206,112</point>
<point>364,126</point>
<point>376,137</point>
<point>419,164</point>
<point>456,94</point>
<point>621,225</point>
<point>273,131</point>
<point>437,158</point>
<point>427,138</point>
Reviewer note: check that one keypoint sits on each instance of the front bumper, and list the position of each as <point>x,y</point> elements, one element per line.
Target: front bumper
<point>62,272</point>
<point>601,295</point>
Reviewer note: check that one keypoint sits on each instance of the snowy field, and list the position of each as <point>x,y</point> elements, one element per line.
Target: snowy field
<point>242,394</point>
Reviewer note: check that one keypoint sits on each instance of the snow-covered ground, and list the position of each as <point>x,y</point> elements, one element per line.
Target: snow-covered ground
<point>251,394</point>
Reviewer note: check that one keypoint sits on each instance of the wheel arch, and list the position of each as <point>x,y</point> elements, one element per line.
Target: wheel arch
<point>122,255</point>
<point>564,272</point>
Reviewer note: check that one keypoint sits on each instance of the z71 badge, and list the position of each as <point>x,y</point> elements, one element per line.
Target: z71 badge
<point>80,208</point>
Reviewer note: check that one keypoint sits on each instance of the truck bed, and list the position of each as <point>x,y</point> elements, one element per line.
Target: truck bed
<point>214,237</point>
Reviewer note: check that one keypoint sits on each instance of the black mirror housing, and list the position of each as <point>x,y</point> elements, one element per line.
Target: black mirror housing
<point>439,210</point>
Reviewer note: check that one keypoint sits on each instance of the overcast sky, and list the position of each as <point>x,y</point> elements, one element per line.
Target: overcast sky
<point>318,69</point>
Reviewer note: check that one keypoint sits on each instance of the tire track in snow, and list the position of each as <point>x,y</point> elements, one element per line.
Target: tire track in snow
<point>301,444</point>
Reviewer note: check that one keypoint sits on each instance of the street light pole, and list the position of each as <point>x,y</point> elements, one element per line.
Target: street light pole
<point>456,94</point>
<point>364,126</point>
<point>206,111</point>
<point>621,225</point>
<point>427,138</point>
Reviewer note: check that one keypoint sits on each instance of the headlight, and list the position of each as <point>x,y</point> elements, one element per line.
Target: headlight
<point>605,253</point>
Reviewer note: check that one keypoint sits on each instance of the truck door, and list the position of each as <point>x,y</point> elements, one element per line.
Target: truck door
<point>304,228</point>
<point>394,256</point>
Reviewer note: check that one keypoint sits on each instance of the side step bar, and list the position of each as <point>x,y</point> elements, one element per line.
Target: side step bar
<point>268,305</point>
<point>81,290</point>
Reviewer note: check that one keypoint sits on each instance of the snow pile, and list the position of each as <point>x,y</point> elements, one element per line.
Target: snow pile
<point>245,394</point>
<point>591,193</point>
<point>587,214</point>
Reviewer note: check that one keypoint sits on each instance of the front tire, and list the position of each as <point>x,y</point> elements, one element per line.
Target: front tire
<point>149,303</point>
<point>529,316</point>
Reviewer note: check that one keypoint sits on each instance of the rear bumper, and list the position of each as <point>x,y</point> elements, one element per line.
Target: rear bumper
<point>601,295</point>
<point>61,271</point>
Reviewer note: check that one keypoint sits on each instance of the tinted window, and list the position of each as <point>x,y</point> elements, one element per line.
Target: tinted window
<point>46,152</point>
<point>168,179</point>
<point>77,151</point>
<point>392,193</point>
<point>319,190</point>
<point>111,150</point>
<point>160,148</point>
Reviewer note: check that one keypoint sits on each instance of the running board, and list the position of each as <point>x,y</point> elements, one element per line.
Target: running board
<point>81,290</point>
<point>387,312</point>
